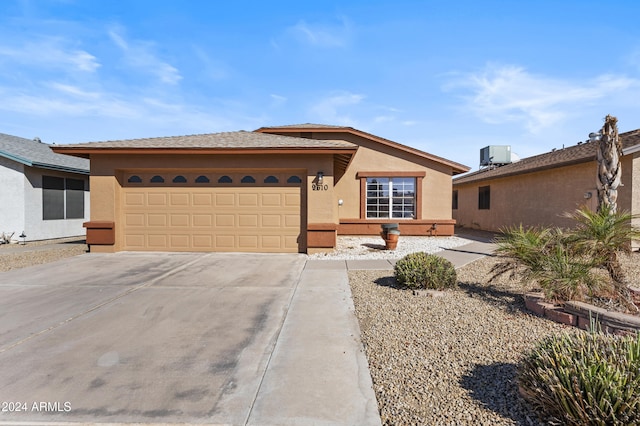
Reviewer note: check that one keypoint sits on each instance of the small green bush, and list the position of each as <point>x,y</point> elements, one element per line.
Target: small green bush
<point>422,270</point>
<point>584,379</point>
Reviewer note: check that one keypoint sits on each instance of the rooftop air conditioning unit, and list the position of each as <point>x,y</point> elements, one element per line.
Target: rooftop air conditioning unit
<point>495,155</point>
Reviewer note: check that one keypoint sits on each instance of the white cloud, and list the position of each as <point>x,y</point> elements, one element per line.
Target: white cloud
<point>318,35</point>
<point>140,55</point>
<point>277,100</point>
<point>511,94</point>
<point>50,53</point>
<point>331,109</point>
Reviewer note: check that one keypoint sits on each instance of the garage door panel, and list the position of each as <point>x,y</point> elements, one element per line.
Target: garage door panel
<point>291,241</point>
<point>180,199</point>
<point>134,219</point>
<point>271,241</point>
<point>270,200</point>
<point>271,220</point>
<point>203,241</point>
<point>134,199</point>
<point>215,217</point>
<point>157,241</point>
<point>155,199</point>
<point>247,220</point>
<point>248,242</point>
<point>225,242</point>
<point>202,220</point>
<point>155,219</point>
<point>135,241</point>
<point>180,241</point>
<point>180,220</point>
<point>225,200</point>
<point>292,221</point>
<point>292,200</point>
<point>203,200</point>
<point>225,220</point>
<point>248,200</point>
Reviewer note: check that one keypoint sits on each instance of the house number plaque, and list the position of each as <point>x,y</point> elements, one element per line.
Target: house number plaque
<point>316,187</point>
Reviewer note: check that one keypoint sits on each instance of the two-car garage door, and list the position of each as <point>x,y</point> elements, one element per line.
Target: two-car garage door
<point>173,211</point>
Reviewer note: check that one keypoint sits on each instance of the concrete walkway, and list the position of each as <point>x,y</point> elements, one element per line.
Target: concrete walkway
<point>459,256</point>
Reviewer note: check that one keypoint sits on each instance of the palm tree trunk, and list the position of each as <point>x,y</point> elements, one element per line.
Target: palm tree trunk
<point>609,165</point>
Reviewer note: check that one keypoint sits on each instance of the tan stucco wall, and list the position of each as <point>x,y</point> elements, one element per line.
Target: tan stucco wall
<point>436,185</point>
<point>542,197</point>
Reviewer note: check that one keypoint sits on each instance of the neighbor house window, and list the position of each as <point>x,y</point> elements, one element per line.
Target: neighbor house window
<point>62,198</point>
<point>454,200</point>
<point>391,197</point>
<point>484,198</point>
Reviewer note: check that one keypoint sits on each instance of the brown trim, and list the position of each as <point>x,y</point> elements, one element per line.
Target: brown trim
<point>400,221</point>
<point>363,197</point>
<point>100,232</point>
<point>419,198</point>
<point>321,235</point>
<point>363,190</point>
<point>457,168</point>
<point>361,175</point>
<point>445,227</point>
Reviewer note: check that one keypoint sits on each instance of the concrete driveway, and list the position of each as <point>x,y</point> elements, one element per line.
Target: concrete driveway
<point>181,338</point>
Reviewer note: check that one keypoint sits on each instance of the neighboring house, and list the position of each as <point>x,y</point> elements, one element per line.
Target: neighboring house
<point>277,189</point>
<point>536,191</point>
<point>44,194</point>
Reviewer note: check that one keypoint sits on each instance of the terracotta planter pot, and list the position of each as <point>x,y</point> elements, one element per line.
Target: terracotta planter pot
<point>391,240</point>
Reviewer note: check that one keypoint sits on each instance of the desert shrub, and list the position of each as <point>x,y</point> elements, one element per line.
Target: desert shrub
<point>422,270</point>
<point>584,379</point>
<point>549,257</point>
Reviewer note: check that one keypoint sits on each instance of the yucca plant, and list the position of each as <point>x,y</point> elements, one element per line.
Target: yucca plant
<point>584,379</point>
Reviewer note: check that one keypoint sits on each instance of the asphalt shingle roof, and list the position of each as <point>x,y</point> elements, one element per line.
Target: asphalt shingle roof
<point>560,157</point>
<point>229,140</point>
<point>38,154</point>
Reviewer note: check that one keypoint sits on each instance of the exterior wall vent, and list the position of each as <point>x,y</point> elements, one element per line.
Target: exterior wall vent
<point>495,155</point>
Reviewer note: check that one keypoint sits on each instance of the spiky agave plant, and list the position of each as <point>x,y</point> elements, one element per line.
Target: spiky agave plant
<point>584,379</point>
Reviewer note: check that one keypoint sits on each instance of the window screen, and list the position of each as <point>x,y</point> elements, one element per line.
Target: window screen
<point>52,197</point>
<point>75,199</point>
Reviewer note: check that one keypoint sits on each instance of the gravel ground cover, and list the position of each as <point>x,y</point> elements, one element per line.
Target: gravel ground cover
<point>373,247</point>
<point>15,256</point>
<point>449,359</point>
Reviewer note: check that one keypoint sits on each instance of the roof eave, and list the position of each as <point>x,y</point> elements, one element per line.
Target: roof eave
<point>456,168</point>
<point>16,158</point>
<point>61,168</point>
<point>87,152</point>
<point>631,150</point>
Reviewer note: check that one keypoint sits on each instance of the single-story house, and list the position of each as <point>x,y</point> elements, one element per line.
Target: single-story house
<point>276,189</point>
<point>44,194</point>
<point>536,191</point>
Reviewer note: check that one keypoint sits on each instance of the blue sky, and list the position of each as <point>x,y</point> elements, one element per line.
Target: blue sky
<point>447,77</point>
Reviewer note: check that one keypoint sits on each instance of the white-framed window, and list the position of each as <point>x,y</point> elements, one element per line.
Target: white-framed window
<point>391,198</point>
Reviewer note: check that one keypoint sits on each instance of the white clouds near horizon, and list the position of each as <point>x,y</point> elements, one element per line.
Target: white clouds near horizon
<point>500,94</point>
